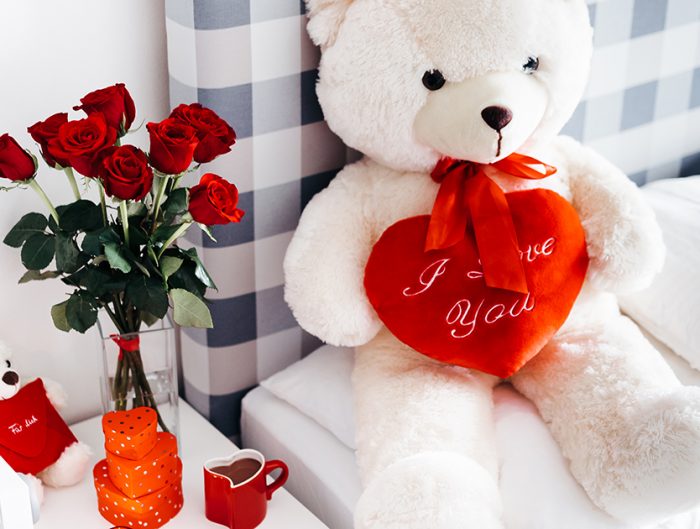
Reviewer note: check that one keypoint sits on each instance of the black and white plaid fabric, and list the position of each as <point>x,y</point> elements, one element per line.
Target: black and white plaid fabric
<point>251,61</point>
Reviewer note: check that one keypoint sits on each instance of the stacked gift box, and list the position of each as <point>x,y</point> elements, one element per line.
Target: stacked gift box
<point>139,483</point>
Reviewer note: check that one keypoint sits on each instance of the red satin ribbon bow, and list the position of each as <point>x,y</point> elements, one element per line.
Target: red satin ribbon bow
<point>126,344</point>
<point>467,196</point>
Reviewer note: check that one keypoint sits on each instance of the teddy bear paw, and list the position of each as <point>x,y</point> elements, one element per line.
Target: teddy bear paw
<point>435,490</point>
<point>70,468</point>
<point>658,465</point>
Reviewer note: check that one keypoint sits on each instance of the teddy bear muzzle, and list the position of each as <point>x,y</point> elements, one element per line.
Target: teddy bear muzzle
<point>483,119</point>
<point>10,384</point>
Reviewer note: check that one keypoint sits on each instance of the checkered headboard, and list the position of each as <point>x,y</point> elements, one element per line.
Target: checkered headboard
<point>251,61</point>
<point>642,106</point>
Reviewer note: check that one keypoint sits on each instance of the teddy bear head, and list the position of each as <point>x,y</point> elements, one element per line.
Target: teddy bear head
<point>407,82</point>
<point>9,378</point>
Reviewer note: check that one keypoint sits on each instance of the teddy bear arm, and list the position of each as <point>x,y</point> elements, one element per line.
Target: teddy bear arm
<point>325,262</point>
<point>625,244</point>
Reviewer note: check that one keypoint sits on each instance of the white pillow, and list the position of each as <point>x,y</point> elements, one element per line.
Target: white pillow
<point>320,387</point>
<point>670,308</point>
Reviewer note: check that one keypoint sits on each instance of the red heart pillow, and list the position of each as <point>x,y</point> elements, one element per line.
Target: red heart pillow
<point>438,303</point>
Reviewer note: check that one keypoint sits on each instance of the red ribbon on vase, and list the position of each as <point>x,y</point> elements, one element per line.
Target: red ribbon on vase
<point>128,344</point>
<point>469,198</point>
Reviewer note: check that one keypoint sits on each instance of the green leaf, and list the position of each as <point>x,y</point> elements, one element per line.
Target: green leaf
<point>176,202</point>
<point>148,295</point>
<point>58,315</point>
<point>38,251</point>
<point>136,209</point>
<point>169,265</point>
<point>164,232</point>
<point>52,223</point>
<point>206,229</point>
<point>68,256</point>
<point>99,282</point>
<point>36,275</point>
<point>82,215</point>
<point>81,311</point>
<point>189,310</point>
<point>109,235</point>
<point>137,236</point>
<point>115,256</point>
<point>186,279</point>
<point>91,243</point>
<point>134,260</point>
<point>30,224</point>
<point>200,271</point>
<point>148,318</point>
<point>75,279</point>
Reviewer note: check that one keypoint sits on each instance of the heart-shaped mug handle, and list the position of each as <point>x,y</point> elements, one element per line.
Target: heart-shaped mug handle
<point>270,466</point>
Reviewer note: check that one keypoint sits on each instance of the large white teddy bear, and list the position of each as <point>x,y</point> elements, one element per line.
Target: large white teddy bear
<point>411,82</point>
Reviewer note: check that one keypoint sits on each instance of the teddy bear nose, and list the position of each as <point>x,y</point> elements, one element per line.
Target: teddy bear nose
<point>10,378</point>
<point>497,117</point>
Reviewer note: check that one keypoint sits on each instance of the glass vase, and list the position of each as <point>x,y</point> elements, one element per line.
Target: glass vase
<point>140,369</point>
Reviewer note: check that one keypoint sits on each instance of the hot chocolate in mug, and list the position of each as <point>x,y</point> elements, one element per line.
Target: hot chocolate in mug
<point>236,490</point>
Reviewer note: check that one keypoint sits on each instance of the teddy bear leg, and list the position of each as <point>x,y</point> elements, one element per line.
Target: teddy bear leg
<point>630,430</point>
<point>68,469</point>
<point>425,442</point>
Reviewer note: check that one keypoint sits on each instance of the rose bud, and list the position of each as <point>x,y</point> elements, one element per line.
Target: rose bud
<point>81,143</point>
<point>172,146</point>
<point>214,201</point>
<point>115,103</point>
<point>215,135</point>
<point>43,131</point>
<point>15,163</point>
<point>125,173</point>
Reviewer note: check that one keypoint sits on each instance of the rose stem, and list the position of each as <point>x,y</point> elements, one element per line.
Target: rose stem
<point>103,206</point>
<point>176,181</point>
<point>39,191</point>
<point>73,183</point>
<point>182,229</point>
<point>124,214</point>
<point>159,197</point>
<point>148,392</point>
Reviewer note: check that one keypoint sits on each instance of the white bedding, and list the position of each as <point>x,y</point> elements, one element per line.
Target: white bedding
<point>537,489</point>
<point>670,307</point>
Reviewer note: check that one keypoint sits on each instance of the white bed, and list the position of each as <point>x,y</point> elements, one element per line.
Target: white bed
<point>537,490</point>
<point>304,414</point>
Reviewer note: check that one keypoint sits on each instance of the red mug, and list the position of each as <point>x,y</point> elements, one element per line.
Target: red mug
<point>240,505</point>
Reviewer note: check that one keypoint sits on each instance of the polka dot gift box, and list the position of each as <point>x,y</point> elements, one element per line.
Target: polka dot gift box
<point>139,483</point>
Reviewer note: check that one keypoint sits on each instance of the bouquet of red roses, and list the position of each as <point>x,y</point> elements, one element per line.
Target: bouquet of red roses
<point>118,255</point>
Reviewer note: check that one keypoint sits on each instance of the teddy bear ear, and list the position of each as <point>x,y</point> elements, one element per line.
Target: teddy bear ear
<point>325,18</point>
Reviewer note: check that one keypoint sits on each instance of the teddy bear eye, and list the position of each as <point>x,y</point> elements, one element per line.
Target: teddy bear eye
<point>531,65</point>
<point>8,363</point>
<point>433,80</point>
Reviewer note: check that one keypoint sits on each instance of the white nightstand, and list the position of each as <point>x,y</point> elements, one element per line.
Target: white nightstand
<point>76,507</point>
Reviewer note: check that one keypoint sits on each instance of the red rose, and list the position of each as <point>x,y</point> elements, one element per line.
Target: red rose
<point>125,173</point>
<point>81,143</point>
<point>214,201</point>
<point>214,134</point>
<point>15,163</point>
<point>115,103</point>
<point>172,146</point>
<point>43,131</point>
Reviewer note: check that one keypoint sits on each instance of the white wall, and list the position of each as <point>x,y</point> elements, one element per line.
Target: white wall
<point>54,52</point>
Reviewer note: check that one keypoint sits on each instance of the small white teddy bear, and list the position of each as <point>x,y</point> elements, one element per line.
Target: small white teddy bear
<point>34,439</point>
